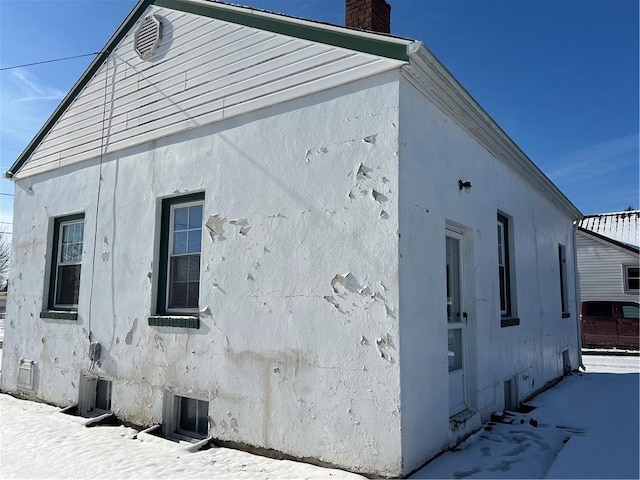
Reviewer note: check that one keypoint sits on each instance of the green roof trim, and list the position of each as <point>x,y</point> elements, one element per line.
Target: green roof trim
<point>272,22</point>
<point>287,26</point>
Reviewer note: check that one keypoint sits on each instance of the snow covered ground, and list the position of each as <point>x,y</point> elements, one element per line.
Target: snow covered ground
<point>585,427</point>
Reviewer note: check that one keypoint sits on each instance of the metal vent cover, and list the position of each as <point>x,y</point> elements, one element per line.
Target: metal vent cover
<point>147,37</point>
<point>26,370</point>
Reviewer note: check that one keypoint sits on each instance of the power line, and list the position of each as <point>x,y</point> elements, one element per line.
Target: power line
<point>49,61</point>
<point>8,194</point>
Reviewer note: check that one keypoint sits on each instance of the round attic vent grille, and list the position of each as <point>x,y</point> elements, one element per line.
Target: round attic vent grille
<point>147,37</point>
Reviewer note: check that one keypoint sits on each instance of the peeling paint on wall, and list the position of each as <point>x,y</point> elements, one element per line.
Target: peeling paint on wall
<point>215,226</point>
<point>129,336</point>
<point>379,197</point>
<point>385,344</point>
<point>331,299</point>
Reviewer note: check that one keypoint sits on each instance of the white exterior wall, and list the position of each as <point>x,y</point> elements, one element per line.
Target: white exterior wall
<point>280,352</point>
<point>601,270</point>
<point>434,154</point>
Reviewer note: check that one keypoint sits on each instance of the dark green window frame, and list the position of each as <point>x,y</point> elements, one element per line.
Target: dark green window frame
<point>163,263</point>
<point>57,223</point>
<point>508,317</point>
<point>564,285</point>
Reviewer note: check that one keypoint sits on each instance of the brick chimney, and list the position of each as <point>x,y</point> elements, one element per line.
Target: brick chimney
<point>374,15</point>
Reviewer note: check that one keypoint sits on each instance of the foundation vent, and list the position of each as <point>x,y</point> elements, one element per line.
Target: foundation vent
<point>26,373</point>
<point>147,37</point>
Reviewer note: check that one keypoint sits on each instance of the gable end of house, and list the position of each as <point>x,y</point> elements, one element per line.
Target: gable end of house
<point>393,49</point>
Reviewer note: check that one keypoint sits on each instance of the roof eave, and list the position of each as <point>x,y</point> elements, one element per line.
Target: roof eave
<point>605,239</point>
<point>449,95</point>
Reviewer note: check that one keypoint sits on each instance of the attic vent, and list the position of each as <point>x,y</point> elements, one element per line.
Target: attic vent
<point>147,37</point>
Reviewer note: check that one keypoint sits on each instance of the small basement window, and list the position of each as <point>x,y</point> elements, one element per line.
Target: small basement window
<point>95,395</point>
<point>511,394</point>
<point>192,417</point>
<point>103,395</point>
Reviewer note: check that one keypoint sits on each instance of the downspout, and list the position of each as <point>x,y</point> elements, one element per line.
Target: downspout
<point>577,294</point>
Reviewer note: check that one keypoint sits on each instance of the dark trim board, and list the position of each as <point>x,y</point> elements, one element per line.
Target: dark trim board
<point>286,26</point>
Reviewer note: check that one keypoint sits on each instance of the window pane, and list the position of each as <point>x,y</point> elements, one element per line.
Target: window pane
<point>194,268</point>
<point>178,295</point>
<point>66,234</point>
<point>180,218</point>
<point>179,269</point>
<point>103,394</point>
<point>633,272</point>
<point>195,216</point>
<point>193,293</point>
<point>602,309</point>
<point>630,311</point>
<point>179,243</point>
<point>68,285</point>
<point>633,284</point>
<point>455,349</point>
<point>195,237</point>
<point>453,279</point>
<point>188,414</point>
<point>503,289</point>
<point>203,417</point>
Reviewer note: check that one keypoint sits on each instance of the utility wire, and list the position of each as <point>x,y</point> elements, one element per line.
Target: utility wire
<point>49,61</point>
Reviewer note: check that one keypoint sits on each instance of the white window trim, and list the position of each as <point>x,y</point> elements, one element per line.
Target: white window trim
<point>57,263</point>
<point>173,207</point>
<point>171,416</point>
<point>625,278</point>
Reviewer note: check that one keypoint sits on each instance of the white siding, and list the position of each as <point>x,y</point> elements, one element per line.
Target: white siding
<point>203,71</point>
<point>600,266</point>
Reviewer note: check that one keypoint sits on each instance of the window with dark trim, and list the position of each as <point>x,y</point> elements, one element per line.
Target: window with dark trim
<point>631,278</point>
<point>180,246</point>
<point>504,267</point>
<point>562,264</point>
<point>66,254</point>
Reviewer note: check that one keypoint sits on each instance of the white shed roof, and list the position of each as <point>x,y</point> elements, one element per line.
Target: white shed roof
<point>620,226</point>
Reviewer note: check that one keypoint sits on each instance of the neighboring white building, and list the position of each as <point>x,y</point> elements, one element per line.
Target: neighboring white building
<point>609,257</point>
<point>288,235</point>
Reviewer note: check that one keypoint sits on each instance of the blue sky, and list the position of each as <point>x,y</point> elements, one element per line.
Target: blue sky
<point>559,76</point>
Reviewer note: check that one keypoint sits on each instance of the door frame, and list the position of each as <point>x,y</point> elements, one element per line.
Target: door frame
<point>459,235</point>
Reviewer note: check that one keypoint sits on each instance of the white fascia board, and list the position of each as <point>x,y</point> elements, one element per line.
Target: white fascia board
<point>429,75</point>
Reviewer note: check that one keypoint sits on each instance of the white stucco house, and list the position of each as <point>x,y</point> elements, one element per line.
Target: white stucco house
<point>608,254</point>
<point>287,235</point>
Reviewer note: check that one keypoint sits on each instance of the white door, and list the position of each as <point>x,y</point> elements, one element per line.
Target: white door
<point>456,320</point>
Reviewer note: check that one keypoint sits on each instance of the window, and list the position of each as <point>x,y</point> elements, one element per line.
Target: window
<point>564,294</point>
<point>631,278</point>
<point>193,417</point>
<point>598,309</point>
<point>103,395</point>
<point>504,267</point>
<point>68,239</point>
<point>180,246</point>
<point>631,312</point>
